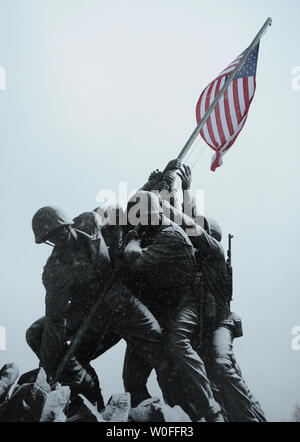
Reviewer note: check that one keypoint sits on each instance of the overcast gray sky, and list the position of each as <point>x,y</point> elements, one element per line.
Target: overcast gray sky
<point>105,91</point>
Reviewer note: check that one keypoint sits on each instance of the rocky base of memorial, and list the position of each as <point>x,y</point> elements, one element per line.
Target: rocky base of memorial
<point>29,398</point>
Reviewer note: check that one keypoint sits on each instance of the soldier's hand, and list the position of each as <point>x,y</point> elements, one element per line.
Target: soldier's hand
<point>53,386</point>
<point>185,174</point>
<point>168,180</point>
<point>173,165</point>
<point>229,267</point>
<point>131,236</point>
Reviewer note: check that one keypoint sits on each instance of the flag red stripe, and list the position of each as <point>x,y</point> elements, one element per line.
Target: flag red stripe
<point>227,113</point>
<point>246,91</point>
<point>199,116</point>
<point>234,138</point>
<point>218,117</point>
<point>236,100</point>
<point>217,162</point>
<point>208,123</point>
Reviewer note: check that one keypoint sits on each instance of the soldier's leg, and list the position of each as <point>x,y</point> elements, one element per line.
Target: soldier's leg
<point>98,338</point>
<point>136,324</point>
<point>136,372</point>
<point>255,404</point>
<point>228,379</point>
<point>96,341</point>
<point>132,320</point>
<point>34,334</point>
<point>80,379</point>
<point>201,401</point>
<point>91,350</point>
<point>110,339</point>
<point>79,374</point>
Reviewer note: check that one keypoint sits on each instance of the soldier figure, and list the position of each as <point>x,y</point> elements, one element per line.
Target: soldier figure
<point>73,278</point>
<point>236,398</point>
<point>222,326</point>
<point>217,324</point>
<point>167,267</point>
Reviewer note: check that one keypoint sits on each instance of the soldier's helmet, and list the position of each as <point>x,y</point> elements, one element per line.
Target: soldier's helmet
<point>214,229</point>
<point>46,220</point>
<point>88,222</point>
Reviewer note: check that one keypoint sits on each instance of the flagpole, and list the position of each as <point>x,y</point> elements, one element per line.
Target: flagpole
<point>211,108</point>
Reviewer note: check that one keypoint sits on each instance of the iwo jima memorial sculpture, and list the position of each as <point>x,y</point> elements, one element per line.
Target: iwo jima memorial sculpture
<point>100,280</point>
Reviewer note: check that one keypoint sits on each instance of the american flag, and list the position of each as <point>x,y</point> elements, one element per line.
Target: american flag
<point>229,116</point>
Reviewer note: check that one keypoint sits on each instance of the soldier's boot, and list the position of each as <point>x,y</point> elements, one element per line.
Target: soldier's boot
<point>216,417</point>
<point>83,380</point>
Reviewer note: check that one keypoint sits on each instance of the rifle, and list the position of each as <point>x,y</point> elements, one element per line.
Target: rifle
<point>228,262</point>
<point>229,249</point>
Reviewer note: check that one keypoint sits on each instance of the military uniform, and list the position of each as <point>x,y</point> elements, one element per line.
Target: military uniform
<point>167,267</point>
<point>73,277</point>
<point>237,400</point>
<point>215,319</point>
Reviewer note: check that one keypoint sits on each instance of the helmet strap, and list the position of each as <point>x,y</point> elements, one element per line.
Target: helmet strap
<point>49,243</point>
